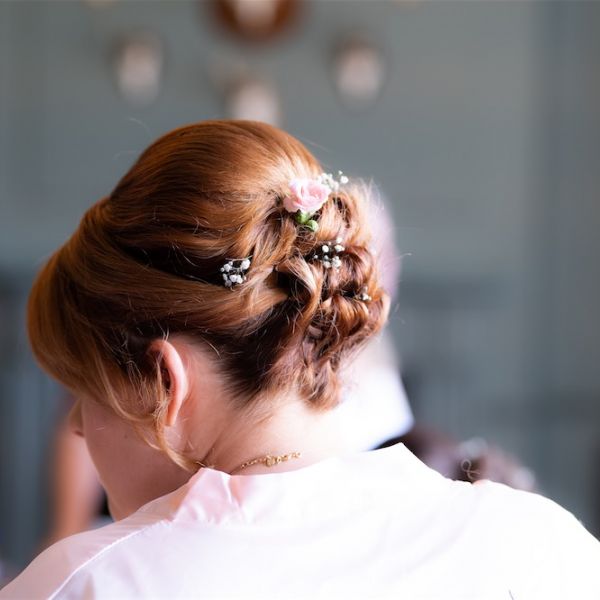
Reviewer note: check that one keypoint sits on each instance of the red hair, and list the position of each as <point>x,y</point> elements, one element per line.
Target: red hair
<point>145,263</point>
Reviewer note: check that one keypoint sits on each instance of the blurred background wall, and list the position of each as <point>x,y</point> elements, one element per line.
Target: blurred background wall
<point>484,138</point>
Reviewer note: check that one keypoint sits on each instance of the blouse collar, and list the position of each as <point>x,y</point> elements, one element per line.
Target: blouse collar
<point>335,485</point>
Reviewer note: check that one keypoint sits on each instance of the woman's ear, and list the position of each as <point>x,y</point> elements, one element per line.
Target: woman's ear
<point>174,375</point>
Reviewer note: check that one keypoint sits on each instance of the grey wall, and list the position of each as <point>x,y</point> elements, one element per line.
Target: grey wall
<point>485,141</point>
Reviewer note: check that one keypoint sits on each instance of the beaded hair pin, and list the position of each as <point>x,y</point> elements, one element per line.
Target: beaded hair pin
<point>329,254</point>
<point>234,271</point>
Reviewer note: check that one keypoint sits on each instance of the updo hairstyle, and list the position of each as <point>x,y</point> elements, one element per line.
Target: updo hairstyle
<point>145,263</point>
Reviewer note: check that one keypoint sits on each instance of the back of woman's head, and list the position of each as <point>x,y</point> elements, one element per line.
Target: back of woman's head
<point>146,263</point>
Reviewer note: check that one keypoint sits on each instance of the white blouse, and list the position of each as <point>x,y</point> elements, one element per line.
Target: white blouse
<point>376,524</point>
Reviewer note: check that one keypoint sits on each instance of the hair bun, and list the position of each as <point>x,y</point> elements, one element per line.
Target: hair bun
<point>145,262</point>
<point>333,310</point>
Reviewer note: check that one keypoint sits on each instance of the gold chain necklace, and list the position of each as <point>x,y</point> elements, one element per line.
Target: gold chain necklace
<point>268,460</point>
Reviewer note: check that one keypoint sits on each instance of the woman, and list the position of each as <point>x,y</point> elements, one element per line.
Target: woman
<point>202,314</point>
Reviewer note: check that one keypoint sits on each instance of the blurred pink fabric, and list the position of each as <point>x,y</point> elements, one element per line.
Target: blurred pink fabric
<point>369,524</point>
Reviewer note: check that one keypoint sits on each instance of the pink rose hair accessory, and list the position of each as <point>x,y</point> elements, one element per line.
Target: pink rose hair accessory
<point>307,196</point>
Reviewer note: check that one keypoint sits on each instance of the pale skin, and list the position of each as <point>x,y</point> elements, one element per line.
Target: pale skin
<point>202,421</point>
<point>75,489</point>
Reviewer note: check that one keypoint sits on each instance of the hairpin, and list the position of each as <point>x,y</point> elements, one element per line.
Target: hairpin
<point>363,296</point>
<point>329,253</point>
<point>234,271</point>
<point>307,196</point>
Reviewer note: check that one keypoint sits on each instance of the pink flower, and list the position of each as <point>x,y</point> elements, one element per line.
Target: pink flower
<point>307,196</point>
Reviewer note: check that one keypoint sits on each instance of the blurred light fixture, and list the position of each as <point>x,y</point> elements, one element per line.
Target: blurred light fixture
<point>256,20</point>
<point>138,65</point>
<point>359,72</point>
<point>254,99</point>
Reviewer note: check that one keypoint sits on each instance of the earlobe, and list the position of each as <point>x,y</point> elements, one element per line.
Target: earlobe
<point>174,376</point>
<point>74,419</point>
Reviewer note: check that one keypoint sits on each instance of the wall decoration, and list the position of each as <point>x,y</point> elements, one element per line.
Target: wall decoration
<point>138,68</point>
<point>249,97</point>
<point>359,72</point>
<point>256,20</point>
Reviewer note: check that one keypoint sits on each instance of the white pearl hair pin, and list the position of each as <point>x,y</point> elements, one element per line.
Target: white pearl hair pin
<point>234,271</point>
<point>329,253</point>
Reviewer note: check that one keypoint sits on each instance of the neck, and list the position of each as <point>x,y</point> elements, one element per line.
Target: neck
<point>292,427</point>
